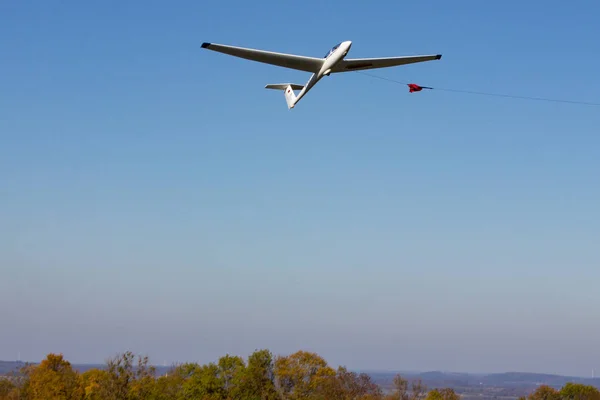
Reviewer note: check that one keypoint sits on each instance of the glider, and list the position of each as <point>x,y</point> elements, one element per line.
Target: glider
<point>333,62</point>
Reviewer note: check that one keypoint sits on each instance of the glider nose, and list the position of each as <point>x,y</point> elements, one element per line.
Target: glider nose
<point>347,44</point>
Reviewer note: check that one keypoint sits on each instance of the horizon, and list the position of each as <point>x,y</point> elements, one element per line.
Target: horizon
<point>368,371</point>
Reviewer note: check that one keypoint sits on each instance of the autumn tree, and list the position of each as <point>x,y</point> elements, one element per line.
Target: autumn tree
<point>544,392</point>
<point>442,394</point>
<point>93,381</point>
<point>301,375</point>
<point>19,382</point>
<point>126,381</point>
<point>6,387</point>
<point>417,389</point>
<point>54,379</point>
<point>119,375</point>
<point>142,386</point>
<point>402,391</point>
<point>577,391</point>
<point>347,385</point>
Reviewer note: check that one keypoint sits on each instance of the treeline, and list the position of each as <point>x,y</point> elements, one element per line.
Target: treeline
<point>570,391</point>
<point>302,375</point>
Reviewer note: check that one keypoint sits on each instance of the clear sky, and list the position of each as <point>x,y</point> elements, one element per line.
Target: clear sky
<point>154,197</point>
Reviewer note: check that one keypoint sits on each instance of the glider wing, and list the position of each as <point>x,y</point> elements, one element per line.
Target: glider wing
<point>357,64</point>
<point>302,63</point>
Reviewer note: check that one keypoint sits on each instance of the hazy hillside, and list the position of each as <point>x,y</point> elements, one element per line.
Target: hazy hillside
<point>7,367</point>
<point>509,384</point>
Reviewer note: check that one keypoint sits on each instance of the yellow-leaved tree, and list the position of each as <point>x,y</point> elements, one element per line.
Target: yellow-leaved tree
<point>54,379</point>
<point>301,375</point>
<point>544,392</point>
<point>93,381</point>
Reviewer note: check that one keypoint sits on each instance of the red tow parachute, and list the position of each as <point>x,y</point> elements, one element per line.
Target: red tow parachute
<point>413,87</point>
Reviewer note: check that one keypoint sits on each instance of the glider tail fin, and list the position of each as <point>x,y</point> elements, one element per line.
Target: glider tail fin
<point>290,97</point>
<point>288,88</point>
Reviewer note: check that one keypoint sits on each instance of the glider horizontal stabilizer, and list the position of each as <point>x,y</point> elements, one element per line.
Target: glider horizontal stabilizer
<point>288,88</point>
<point>283,86</point>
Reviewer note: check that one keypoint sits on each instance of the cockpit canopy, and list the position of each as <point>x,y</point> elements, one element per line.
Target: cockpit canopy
<point>334,48</point>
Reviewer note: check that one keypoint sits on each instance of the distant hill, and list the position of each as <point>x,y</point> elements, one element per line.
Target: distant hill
<point>6,367</point>
<point>507,385</point>
<point>503,379</point>
<point>520,378</point>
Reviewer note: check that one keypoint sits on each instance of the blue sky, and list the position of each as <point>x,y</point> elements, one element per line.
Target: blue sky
<point>156,198</point>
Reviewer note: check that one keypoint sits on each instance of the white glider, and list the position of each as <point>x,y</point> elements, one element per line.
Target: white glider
<point>333,62</point>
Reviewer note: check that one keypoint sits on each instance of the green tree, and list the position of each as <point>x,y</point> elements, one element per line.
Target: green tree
<point>203,383</point>
<point>258,380</point>
<point>231,374</point>
<point>170,385</point>
<point>442,394</point>
<point>577,391</point>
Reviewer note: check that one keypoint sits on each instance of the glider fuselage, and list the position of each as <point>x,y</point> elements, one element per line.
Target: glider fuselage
<point>333,58</point>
